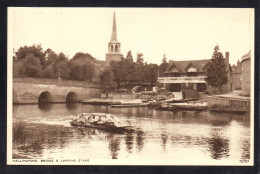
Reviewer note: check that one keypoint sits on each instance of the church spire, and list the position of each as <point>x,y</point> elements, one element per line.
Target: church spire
<point>114,34</point>
<point>114,46</point>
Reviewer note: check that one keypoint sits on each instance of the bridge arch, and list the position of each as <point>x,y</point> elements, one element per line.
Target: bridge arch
<point>45,97</point>
<point>15,97</point>
<point>72,97</point>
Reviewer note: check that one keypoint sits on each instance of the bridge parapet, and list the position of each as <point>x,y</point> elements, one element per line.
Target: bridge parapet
<point>34,93</point>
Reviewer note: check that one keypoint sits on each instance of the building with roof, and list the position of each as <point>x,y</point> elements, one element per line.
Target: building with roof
<point>246,73</point>
<point>114,47</point>
<point>113,54</point>
<point>236,72</point>
<point>190,74</point>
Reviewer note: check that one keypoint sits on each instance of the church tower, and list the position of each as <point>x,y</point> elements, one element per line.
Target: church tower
<point>114,46</point>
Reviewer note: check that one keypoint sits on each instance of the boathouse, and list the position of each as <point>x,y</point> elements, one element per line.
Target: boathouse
<point>190,74</point>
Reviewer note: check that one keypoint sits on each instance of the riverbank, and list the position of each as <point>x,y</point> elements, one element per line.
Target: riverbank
<point>229,102</point>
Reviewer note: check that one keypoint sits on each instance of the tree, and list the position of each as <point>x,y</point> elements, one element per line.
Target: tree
<point>18,69</point>
<point>50,57</point>
<point>139,69</point>
<point>216,71</point>
<point>106,79</point>
<point>48,72</point>
<point>163,66</point>
<point>150,71</point>
<point>118,71</point>
<point>80,55</point>
<point>82,69</point>
<point>129,57</point>
<point>63,69</point>
<point>32,66</point>
<point>140,59</point>
<point>35,50</point>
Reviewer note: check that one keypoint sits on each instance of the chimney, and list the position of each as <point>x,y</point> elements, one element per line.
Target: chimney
<point>227,54</point>
<point>227,57</point>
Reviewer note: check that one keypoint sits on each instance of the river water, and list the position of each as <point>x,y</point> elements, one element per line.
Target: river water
<point>44,132</point>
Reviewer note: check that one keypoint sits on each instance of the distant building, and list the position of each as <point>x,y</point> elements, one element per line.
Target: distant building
<point>114,46</point>
<point>236,72</point>
<point>246,73</point>
<point>190,74</point>
<point>113,54</point>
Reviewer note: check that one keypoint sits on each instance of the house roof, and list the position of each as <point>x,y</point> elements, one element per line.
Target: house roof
<point>246,56</point>
<point>182,66</point>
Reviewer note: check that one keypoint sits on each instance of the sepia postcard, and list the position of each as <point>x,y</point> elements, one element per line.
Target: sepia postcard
<point>130,86</point>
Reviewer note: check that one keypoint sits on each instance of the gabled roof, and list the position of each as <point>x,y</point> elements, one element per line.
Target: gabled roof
<point>183,66</point>
<point>246,56</point>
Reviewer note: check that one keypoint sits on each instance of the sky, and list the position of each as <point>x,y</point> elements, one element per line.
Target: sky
<point>179,33</point>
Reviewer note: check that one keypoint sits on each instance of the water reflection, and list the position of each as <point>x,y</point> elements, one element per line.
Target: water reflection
<point>159,134</point>
<point>140,140</point>
<point>129,141</point>
<point>45,106</point>
<point>218,146</point>
<point>164,138</point>
<point>114,145</point>
<point>245,149</point>
<point>72,106</point>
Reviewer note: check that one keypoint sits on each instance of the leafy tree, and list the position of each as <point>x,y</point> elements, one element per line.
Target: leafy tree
<point>82,69</point>
<point>18,69</point>
<point>118,71</point>
<point>80,55</point>
<point>129,57</point>
<point>50,57</point>
<point>163,66</point>
<point>151,72</point>
<point>32,66</point>
<point>64,70</point>
<point>106,79</point>
<point>131,73</point>
<point>139,69</point>
<point>216,72</point>
<point>35,50</point>
<point>48,72</point>
<point>140,59</point>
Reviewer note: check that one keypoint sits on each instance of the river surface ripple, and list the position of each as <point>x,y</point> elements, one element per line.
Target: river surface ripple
<point>44,132</point>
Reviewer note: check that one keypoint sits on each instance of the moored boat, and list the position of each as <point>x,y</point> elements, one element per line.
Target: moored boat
<point>184,106</point>
<point>130,105</point>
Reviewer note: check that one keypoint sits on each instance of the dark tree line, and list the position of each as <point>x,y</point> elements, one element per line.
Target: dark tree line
<point>128,72</point>
<point>33,61</point>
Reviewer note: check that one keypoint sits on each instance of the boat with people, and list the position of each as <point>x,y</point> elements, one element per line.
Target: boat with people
<point>103,121</point>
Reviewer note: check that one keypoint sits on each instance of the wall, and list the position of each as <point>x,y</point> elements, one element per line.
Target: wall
<point>246,77</point>
<point>230,102</point>
<point>190,94</point>
<point>236,80</point>
<point>112,57</point>
<point>24,93</point>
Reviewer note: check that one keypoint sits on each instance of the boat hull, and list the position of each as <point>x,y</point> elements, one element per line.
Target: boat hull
<point>109,128</point>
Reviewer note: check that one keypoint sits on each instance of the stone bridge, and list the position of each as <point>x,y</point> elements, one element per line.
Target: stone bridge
<point>26,93</point>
